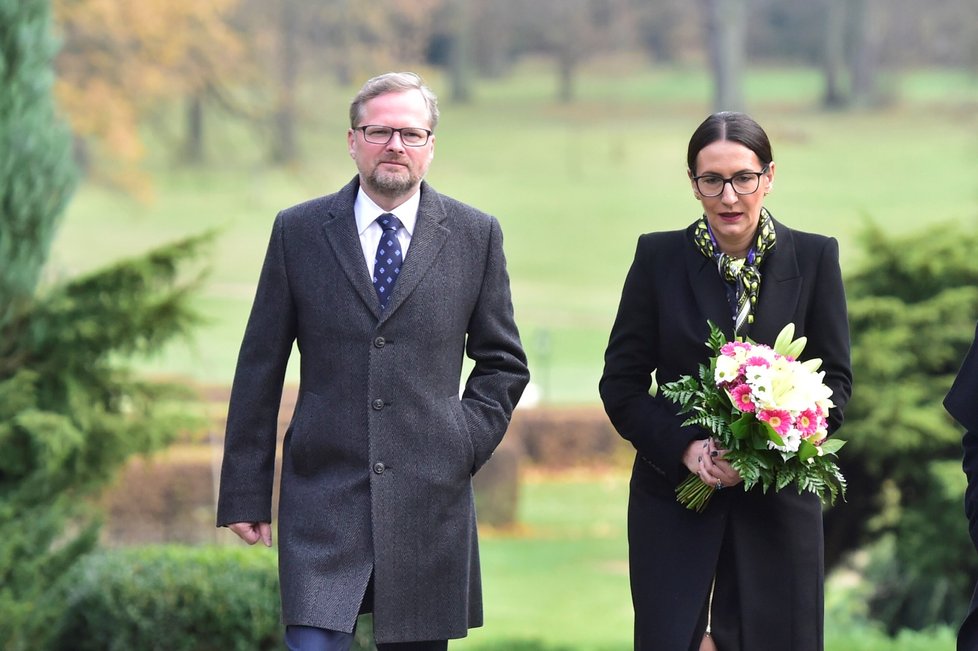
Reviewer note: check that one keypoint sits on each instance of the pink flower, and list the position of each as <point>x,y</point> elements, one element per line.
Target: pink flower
<point>742,398</point>
<point>778,419</point>
<point>822,417</point>
<point>757,361</point>
<point>731,347</point>
<point>807,422</point>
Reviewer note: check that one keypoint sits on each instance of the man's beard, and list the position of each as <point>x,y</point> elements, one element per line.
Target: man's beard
<point>392,184</point>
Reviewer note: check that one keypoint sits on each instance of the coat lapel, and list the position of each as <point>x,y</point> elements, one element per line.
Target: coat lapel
<point>780,289</point>
<point>428,238</point>
<point>341,233</point>
<point>708,287</point>
<point>430,235</point>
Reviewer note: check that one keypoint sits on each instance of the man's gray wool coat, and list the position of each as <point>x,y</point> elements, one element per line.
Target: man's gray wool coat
<point>379,455</point>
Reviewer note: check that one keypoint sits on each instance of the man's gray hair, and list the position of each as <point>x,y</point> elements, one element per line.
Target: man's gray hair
<point>393,82</point>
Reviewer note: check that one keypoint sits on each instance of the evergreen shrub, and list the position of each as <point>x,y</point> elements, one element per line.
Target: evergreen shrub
<point>172,598</point>
<point>176,598</point>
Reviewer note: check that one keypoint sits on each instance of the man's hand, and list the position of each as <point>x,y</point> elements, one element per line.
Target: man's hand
<point>252,532</point>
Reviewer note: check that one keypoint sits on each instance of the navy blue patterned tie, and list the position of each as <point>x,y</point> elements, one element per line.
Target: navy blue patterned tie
<point>387,263</point>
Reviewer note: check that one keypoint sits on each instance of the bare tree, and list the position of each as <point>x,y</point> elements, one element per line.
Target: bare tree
<point>498,21</point>
<point>284,144</point>
<point>193,146</point>
<point>567,36</point>
<point>572,31</point>
<point>868,18</point>
<point>834,54</point>
<point>459,55</point>
<point>725,37</point>
<point>666,28</point>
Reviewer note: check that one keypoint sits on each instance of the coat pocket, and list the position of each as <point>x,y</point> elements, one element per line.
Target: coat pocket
<point>309,410</point>
<point>462,430</point>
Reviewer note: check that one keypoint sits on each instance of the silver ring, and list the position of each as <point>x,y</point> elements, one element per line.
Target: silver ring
<point>719,484</point>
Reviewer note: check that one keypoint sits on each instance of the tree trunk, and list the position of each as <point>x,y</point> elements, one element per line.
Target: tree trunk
<point>865,61</point>
<point>568,40</point>
<point>725,35</point>
<point>495,28</point>
<point>566,60</point>
<point>81,154</point>
<point>343,65</point>
<point>833,55</point>
<point>284,149</point>
<point>193,146</point>
<point>459,54</point>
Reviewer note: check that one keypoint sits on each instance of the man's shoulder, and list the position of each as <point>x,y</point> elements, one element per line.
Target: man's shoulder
<point>307,207</point>
<point>451,205</point>
<point>455,214</point>
<point>322,206</point>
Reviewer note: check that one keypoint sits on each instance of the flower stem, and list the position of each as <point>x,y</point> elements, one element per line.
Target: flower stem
<point>694,494</point>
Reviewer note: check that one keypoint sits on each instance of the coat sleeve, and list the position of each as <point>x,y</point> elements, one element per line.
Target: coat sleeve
<point>970,466</point>
<point>247,471</point>
<point>962,403</point>
<point>651,424</point>
<point>493,342</point>
<point>828,330</point>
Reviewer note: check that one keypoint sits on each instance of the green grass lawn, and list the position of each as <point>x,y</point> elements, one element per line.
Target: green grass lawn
<point>573,185</point>
<point>562,579</point>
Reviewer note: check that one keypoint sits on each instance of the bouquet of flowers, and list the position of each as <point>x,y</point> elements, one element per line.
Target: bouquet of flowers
<point>769,411</point>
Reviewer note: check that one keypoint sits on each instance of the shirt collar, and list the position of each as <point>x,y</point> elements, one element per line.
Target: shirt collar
<point>366,211</point>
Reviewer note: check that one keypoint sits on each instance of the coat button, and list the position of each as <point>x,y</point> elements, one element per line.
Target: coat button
<point>379,468</point>
<point>378,404</point>
<point>380,342</point>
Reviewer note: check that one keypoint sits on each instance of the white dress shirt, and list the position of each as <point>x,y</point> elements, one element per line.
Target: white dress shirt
<point>367,212</point>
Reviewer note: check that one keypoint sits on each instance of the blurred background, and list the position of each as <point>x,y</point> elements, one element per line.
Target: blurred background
<point>148,145</point>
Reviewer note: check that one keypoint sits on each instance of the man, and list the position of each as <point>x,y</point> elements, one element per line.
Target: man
<point>384,286</point>
<point>962,403</point>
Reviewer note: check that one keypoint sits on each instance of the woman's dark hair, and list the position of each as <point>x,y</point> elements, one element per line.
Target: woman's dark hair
<point>729,125</point>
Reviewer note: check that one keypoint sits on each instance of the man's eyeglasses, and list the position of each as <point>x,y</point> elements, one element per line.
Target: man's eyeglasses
<point>380,135</point>
<point>711,185</point>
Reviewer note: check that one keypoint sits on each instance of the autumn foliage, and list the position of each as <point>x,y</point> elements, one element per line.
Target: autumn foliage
<point>123,60</point>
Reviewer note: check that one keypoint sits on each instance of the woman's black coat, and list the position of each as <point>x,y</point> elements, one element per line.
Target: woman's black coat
<point>962,403</point>
<point>765,549</point>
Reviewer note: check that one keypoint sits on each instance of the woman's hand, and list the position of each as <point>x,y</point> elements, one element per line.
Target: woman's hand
<point>693,456</point>
<point>704,459</point>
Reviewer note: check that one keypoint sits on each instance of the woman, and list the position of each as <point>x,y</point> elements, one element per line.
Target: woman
<point>960,403</point>
<point>751,564</point>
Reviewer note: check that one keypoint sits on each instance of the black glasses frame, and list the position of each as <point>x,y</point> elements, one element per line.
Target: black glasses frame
<point>757,175</point>
<point>362,129</point>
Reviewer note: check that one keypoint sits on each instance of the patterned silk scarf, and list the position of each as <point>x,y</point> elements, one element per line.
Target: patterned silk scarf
<point>744,274</point>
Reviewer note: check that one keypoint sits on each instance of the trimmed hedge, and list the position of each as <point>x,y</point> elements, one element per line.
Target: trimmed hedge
<point>558,438</point>
<point>168,499</point>
<point>172,599</point>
